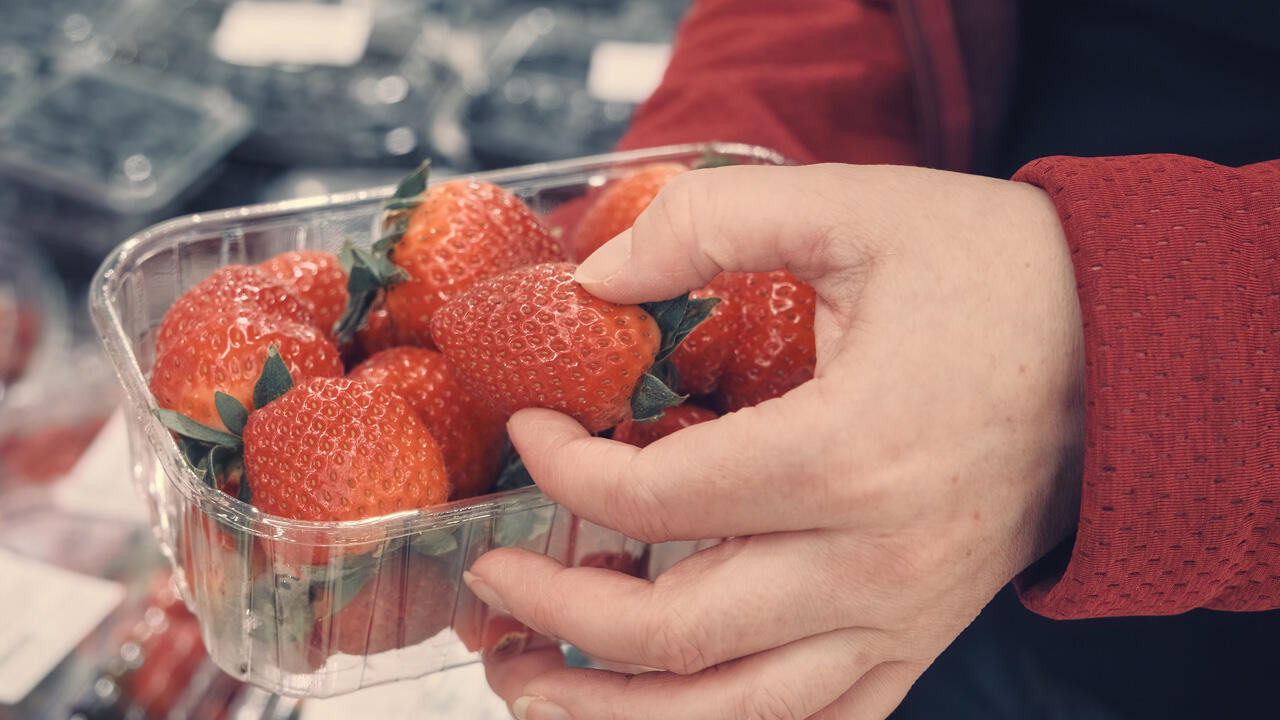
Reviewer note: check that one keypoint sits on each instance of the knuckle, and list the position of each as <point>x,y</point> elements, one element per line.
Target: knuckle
<point>762,701</point>
<point>685,212</point>
<point>643,513</point>
<point>545,612</point>
<point>678,644</point>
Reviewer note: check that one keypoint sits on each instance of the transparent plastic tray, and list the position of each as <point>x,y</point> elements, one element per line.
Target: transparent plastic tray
<point>264,618</point>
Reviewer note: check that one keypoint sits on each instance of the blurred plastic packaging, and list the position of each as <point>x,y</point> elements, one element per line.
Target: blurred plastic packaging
<point>127,140</point>
<point>318,609</point>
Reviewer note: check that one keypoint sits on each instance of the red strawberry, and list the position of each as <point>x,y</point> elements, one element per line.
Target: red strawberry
<point>676,418</point>
<point>618,206</point>
<point>231,287</point>
<point>702,357</point>
<point>775,349</point>
<point>224,351</point>
<point>535,338</point>
<point>440,241</point>
<point>616,560</point>
<point>379,333</point>
<point>337,449</point>
<point>481,630</point>
<point>409,601</point>
<point>317,278</point>
<point>470,434</point>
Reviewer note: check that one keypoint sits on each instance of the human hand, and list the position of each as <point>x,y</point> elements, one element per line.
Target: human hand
<point>872,511</point>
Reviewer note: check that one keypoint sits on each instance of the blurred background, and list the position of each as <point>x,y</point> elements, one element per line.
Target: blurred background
<point>117,114</point>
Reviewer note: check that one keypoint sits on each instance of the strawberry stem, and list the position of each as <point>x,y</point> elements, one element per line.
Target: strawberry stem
<point>676,318</point>
<point>368,273</point>
<point>711,159</point>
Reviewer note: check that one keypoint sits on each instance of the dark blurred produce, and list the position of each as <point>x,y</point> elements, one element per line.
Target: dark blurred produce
<point>159,670</point>
<point>369,112</point>
<point>120,113</point>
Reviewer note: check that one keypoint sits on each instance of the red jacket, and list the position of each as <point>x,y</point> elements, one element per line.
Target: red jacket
<point>1175,260</point>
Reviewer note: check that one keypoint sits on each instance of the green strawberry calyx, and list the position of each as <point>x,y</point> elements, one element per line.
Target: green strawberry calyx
<point>676,318</point>
<point>214,453</point>
<point>712,159</point>
<point>370,272</point>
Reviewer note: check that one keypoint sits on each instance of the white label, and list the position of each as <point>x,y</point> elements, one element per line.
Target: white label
<point>626,72</point>
<point>267,33</point>
<point>458,693</point>
<point>101,483</point>
<point>46,611</point>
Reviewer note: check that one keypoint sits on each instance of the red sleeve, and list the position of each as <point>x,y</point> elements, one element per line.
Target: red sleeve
<point>1175,262</point>
<point>819,80</point>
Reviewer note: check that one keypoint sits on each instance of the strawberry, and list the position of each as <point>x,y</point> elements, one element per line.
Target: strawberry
<point>535,338</point>
<point>337,449</point>
<point>470,434</point>
<point>616,560</point>
<point>409,601</point>
<point>702,357</point>
<point>230,287</point>
<point>317,278</point>
<point>775,349</point>
<point>379,333</point>
<point>676,418</point>
<point>440,241</point>
<point>618,206</point>
<point>224,351</point>
<point>484,631</point>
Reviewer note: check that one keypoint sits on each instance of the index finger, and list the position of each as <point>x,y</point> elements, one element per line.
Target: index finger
<point>744,218</point>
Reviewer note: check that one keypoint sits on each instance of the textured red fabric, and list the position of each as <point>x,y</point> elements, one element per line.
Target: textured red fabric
<point>1175,262</point>
<point>815,80</point>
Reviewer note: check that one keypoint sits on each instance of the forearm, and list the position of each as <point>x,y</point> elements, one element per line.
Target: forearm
<point>1179,286</point>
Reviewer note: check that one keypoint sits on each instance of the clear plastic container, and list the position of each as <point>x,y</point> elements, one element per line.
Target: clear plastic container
<point>274,596</point>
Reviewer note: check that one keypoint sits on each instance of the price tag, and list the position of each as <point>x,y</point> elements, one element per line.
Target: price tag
<point>46,611</point>
<point>626,72</point>
<point>292,33</point>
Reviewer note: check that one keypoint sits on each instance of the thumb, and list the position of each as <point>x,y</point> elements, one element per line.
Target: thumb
<point>743,218</point>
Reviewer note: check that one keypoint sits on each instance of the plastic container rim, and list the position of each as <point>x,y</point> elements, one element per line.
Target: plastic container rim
<point>245,517</point>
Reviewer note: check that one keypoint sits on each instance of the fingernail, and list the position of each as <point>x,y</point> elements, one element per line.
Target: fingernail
<point>484,591</point>
<point>605,262</point>
<point>532,707</point>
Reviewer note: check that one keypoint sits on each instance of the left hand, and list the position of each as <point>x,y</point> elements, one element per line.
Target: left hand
<point>872,511</point>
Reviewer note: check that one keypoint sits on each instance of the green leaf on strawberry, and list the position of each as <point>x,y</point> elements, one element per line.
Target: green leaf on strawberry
<point>189,428</point>
<point>231,411</point>
<point>282,612</point>
<point>410,190</point>
<point>677,318</point>
<point>274,381</point>
<point>519,529</point>
<point>712,159</point>
<point>513,474</point>
<point>367,274</point>
<point>434,543</point>
<point>651,399</point>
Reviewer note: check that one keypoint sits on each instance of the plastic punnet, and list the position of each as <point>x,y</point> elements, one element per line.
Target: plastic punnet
<point>387,601</point>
